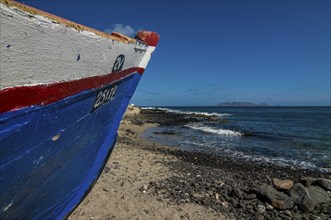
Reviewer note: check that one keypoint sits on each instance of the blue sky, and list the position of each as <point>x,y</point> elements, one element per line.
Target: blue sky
<point>209,52</point>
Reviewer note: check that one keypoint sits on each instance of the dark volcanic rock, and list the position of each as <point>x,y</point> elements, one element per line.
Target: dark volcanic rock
<point>302,198</point>
<point>307,181</point>
<point>324,183</point>
<point>167,133</point>
<point>318,194</point>
<point>165,118</point>
<point>277,199</point>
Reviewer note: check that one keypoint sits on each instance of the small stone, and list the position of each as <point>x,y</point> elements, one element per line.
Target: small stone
<point>106,169</point>
<point>249,206</point>
<point>225,205</point>
<point>297,216</point>
<point>220,183</point>
<point>260,209</point>
<point>258,217</point>
<point>210,192</point>
<point>217,196</point>
<point>106,190</point>
<point>113,173</point>
<point>234,202</point>
<point>197,195</point>
<point>288,213</point>
<point>282,184</point>
<point>250,196</point>
<point>268,206</point>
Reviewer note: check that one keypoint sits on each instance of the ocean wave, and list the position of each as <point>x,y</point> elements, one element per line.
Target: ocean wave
<point>219,131</point>
<point>280,161</point>
<point>221,115</point>
<point>149,108</point>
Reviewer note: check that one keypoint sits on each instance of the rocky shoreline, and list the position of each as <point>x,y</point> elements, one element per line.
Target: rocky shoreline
<point>146,180</point>
<point>242,190</point>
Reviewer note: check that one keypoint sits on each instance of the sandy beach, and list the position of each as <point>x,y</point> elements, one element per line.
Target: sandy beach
<point>121,190</point>
<point>146,180</point>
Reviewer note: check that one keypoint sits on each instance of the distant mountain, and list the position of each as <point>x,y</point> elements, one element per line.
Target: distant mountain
<point>235,104</point>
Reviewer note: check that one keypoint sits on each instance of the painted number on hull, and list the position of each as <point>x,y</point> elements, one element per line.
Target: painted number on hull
<point>104,96</point>
<point>118,65</point>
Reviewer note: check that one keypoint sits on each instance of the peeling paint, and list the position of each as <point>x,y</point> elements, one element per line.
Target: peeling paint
<point>36,162</point>
<point>56,137</point>
<point>8,206</point>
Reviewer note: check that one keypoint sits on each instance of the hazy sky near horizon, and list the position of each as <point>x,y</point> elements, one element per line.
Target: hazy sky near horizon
<point>209,52</point>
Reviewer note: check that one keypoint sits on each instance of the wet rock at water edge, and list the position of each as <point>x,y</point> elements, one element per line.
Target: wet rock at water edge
<point>167,133</point>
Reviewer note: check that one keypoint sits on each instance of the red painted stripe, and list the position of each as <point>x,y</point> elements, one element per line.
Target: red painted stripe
<point>24,96</point>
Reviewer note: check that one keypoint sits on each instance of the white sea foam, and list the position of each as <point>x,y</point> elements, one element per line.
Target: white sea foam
<point>280,161</point>
<point>214,130</point>
<point>149,108</point>
<point>221,115</point>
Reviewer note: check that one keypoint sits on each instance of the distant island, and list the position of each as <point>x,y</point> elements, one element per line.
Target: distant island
<point>244,104</point>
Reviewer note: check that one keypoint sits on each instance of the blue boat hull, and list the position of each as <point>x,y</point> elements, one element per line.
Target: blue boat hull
<point>51,154</point>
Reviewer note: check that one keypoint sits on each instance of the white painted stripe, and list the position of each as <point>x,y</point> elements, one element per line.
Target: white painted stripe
<point>147,57</point>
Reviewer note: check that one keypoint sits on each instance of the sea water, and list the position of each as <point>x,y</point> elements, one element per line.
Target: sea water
<point>289,136</point>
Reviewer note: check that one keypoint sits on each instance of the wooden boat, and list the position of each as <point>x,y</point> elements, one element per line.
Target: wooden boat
<point>63,91</point>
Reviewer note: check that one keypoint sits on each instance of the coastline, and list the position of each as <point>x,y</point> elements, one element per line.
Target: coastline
<point>146,180</point>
